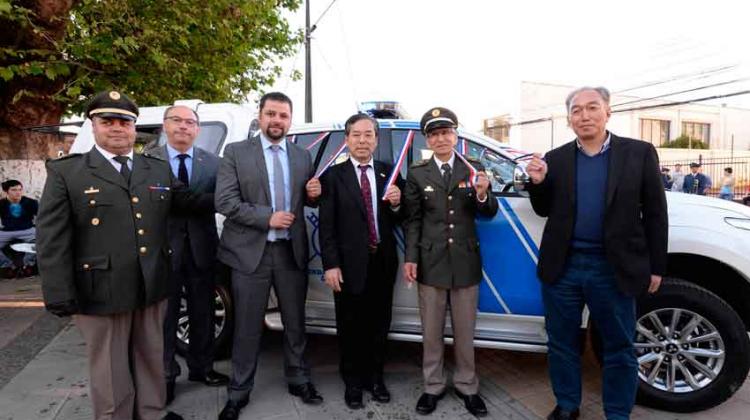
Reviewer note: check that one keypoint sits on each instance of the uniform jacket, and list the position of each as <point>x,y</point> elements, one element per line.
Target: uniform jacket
<point>343,229</point>
<point>696,184</point>
<point>102,243</point>
<point>199,228</point>
<point>440,229</point>
<point>244,197</point>
<point>635,213</point>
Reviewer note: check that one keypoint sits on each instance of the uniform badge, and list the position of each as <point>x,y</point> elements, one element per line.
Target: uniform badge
<point>435,112</point>
<point>95,221</point>
<point>114,95</point>
<point>382,175</point>
<point>429,189</point>
<point>91,190</point>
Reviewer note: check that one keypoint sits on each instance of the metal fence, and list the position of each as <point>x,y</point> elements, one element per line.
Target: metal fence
<point>714,169</point>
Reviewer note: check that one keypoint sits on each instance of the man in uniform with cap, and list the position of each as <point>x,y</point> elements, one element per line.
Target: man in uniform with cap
<point>104,258</point>
<point>442,254</point>
<point>695,182</point>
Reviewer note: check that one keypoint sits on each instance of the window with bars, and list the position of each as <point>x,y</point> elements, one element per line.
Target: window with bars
<point>654,131</point>
<point>697,131</point>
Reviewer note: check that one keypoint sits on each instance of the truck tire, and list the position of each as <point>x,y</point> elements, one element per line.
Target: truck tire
<point>223,323</point>
<point>693,349</point>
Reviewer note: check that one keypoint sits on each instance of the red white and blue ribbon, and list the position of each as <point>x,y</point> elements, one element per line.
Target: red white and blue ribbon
<point>472,170</point>
<point>464,147</point>
<point>331,160</point>
<point>317,140</point>
<point>399,162</point>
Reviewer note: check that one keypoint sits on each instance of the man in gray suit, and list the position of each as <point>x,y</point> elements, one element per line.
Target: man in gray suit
<point>193,240</point>
<point>262,187</point>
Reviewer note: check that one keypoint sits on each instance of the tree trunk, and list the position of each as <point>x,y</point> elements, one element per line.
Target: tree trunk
<point>51,17</point>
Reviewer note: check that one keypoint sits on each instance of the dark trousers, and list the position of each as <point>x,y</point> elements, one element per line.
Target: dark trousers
<point>362,323</point>
<point>250,291</point>
<point>589,279</point>
<point>199,296</point>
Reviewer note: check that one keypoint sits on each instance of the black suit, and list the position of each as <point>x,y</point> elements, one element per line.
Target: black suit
<point>193,240</point>
<point>635,242</point>
<point>363,307</point>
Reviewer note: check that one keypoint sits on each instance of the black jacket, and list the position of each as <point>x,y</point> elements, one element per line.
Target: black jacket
<point>343,224</point>
<point>635,214</point>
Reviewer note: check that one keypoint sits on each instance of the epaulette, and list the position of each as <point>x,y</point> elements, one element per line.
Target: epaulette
<point>419,163</point>
<point>152,156</point>
<point>65,157</point>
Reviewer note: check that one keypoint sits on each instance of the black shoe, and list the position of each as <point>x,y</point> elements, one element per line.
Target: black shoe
<point>210,378</point>
<point>560,414</point>
<point>473,403</point>
<point>232,409</point>
<point>307,393</point>
<point>428,402</point>
<point>353,398</point>
<point>379,392</point>
<point>172,416</point>
<point>170,391</point>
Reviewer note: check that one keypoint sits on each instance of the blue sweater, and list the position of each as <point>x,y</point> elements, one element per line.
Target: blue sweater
<point>591,195</point>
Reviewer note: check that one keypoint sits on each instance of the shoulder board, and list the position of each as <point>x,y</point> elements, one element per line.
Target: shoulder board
<point>419,163</point>
<point>66,157</point>
<point>152,156</point>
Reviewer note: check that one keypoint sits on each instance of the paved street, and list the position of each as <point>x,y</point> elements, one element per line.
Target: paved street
<point>49,378</point>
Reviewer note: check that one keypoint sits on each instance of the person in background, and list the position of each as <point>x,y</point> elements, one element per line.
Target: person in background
<point>678,177</point>
<point>17,214</point>
<point>727,185</point>
<point>666,179</point>
<point>696,182</point>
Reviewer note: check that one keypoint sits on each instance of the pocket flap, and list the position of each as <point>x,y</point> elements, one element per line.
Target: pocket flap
<point>93,263</point>
<point>425,246</point>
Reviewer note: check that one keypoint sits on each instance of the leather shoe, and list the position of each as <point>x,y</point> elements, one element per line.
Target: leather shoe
<point>232,409</point>
<point>353,398</point>
<point>379,392</point>
<point>307,393</point>
<point>559,414</point>
<point>210,378</point>
<point>473,403</point>
<point>428,402</point>
<point>170,392</point>
<point>172,416</point>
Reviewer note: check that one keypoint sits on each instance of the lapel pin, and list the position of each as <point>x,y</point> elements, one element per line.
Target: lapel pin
<point>91,190</point>
<point>429,188</point>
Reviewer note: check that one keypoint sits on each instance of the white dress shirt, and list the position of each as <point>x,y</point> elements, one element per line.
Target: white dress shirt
<point>110,158</point>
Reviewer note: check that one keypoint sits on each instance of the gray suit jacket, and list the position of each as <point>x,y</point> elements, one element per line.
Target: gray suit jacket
<point>198,227</point>
<point>244,197</point>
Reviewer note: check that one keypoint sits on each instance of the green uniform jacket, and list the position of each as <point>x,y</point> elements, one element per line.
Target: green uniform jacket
<point>440,229</point>
<point>101,243</point>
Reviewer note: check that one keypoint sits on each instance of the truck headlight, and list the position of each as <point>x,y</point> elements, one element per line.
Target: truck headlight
<point>738,222</point>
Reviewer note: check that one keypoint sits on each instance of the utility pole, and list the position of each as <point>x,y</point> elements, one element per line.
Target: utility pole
<point>308,65</point>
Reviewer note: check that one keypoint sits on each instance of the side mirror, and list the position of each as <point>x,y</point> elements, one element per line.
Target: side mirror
<point>520,178</point>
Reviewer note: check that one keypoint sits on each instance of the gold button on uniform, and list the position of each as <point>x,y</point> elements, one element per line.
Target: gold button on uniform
<point>86,266</point>
<point>451,212</point>
<point>141,232</point>
<point>450,197</point>
<point>451,226</point>
<point>95,221</point>
<point>450,240</point>
<point>92,202</point>
<point>143,250</point>
<point>138,216</point>
<point>134,200</point>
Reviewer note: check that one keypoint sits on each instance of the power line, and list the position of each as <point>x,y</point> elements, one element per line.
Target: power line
<point>683,91</point>
<point>314,25</point>
<point>676,78</point>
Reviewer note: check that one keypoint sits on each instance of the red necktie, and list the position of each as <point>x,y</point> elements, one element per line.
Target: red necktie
<point>364,182</point>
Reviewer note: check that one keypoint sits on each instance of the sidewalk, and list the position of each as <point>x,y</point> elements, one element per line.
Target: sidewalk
<point>55,386</point>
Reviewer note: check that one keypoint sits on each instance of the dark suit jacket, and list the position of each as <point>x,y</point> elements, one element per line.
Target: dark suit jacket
<point>100,242</point>
<point>689,184</point>
<point>244,197</point>
<point>343,231</point>
<point>441,234</point>
<point>635,215</point>
<point>198,227</point>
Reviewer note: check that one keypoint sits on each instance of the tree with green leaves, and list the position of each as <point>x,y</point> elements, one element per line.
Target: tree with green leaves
<point>56,53</point>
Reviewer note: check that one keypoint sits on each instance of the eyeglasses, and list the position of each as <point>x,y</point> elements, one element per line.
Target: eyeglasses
<point>188,122</point>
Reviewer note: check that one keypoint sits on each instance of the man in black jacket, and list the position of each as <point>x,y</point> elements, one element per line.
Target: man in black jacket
<point>193,240</point>
<point>604,243</point>
<point>17,213</point>
<point>359,257</point>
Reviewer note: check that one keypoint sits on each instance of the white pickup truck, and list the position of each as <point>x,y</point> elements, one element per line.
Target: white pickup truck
<point>692,341</point>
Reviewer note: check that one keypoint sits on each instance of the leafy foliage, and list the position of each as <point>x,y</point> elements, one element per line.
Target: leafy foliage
<point>685,142</point>
<point>155,50</point>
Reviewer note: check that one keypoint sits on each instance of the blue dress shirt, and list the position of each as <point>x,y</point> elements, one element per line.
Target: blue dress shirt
<point>274,234</point>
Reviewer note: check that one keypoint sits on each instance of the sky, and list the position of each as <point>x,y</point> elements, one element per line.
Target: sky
<point>471,56</point>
